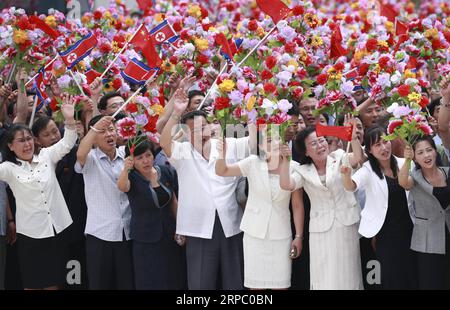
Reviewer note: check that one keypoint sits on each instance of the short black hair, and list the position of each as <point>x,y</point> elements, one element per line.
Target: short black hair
<point>434,104</point>
<point>141,147</point>
<point>294,110</point>
<point>94,120</point>
<point>300,144</point>
<point>193,93</point>
<point>192,115</point>
<point>40,124</point>
<point>31,93</point>
<point>103,103</point>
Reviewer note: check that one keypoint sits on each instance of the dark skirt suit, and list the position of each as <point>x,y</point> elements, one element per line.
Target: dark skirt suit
<point>158,260</point>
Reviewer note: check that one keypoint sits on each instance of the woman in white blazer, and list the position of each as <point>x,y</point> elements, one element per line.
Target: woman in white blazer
<point>335,261</point>
<point>268,242</point>
<point>386,214</point>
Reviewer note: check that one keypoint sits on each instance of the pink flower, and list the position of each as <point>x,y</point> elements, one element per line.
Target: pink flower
<point>393,125</point>
<point>126,128</point>
<point>425,129</point>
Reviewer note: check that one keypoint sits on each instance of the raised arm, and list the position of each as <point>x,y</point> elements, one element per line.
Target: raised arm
<point>88,141</point>
<point>357,155</point>
<point>96,91</point>
<point>444,113</point>
<point>180,105</point>
<point>404,179</point>
<point>222,168</point>
<point>123,183</point>
<point>287,182</point>
<point>347,181</point>
<point>22,100</point>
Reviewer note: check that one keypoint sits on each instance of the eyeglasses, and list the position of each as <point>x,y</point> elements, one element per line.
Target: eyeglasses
<point>316,143</point>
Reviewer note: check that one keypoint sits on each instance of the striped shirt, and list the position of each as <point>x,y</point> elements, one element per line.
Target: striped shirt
<point>109,213</point>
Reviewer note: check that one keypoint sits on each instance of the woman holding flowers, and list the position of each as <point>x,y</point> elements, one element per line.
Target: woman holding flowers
<point>156,256</point>
<point>385,216</point>
<point>335,261</point>
<point>429,185</point>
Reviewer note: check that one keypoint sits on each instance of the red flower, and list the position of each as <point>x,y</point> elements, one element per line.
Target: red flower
<point>230,7</point>
<point>253,25</point>
<point>348,19</point>
<point>117,83</point>
<point>206,27</point>
<point>363,68</point>
<point>424,102</point>
<point>202,59</point>
<point>290,47</point>
<point>177,26</point>
<point>393,125</point>
<point>204,12</point>
<point>270,88</point>
<point>266,75</point>
<point>24,46</point>
<point>24,24</point>
<point>173,60</point>
<point>221,103</point>
<point>339,66</point>
<point>97,15</point>
<point>404,90</point>
<point>105,48</point>
<point>298,92</point>
<point>383,61</point>
<point>151,125</point>
<point>437,44</point>
<point>132,107</point>
<point>260,121</point>
<point>298,10</point>
<point>322,79</point>
<point>120,40</point>
<point>371,44</point>
<point>271,61</point>
<point>184,35</point>
<point>126,128</point>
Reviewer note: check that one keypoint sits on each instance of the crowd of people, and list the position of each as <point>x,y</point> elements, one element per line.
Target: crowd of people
<point>194,206</point>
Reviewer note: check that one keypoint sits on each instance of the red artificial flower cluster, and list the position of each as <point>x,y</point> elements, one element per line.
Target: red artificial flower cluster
<point>403,90</point>
<point>221,103</point>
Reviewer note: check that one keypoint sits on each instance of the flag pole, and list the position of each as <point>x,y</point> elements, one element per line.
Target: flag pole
<point>46,66</point>
<point>34,111</point>
<point>121,51</point>
<point>257,45</point>
<point>11,73</point>
<point>212,86</point>
<point>78,84</point>
<point>134,94</point>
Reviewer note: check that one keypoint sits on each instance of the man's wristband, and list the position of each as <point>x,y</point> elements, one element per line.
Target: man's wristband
<point>299,237</point>
<point>95,129</point>
<point>176,117</point>
<point>11,221</point>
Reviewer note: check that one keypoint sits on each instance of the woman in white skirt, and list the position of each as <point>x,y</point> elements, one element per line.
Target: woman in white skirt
<point>335,261</point>
<point>268,243</point>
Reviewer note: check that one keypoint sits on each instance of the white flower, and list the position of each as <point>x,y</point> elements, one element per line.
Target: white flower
<point>396,78</point>
<point>383,80</point>
<point>411,81</point>
<point>284,77</point>
<point>284,105</point>
<point>268,105</point>
<point>347,88</point>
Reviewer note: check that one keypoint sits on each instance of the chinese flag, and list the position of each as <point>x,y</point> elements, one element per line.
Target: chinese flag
<point>276,9</point>
<point>386,9</point>
<point>140,39</point>
<point>149,52</point>
<point>336,49</point>
<point>341,132</point>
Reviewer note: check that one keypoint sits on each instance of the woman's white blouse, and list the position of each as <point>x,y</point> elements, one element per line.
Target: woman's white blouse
<point>39,200</point>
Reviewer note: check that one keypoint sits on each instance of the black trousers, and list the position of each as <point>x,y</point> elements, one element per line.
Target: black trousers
<point>109,264</point>
<point>434,269</point>
<point>209,258</point>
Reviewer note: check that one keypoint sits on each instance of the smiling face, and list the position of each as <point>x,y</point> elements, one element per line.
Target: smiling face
<point>316,147</point>
<point>22,145</point>
<point>425,155</point>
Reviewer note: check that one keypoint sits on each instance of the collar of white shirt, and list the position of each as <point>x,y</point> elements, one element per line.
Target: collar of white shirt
<point>24,162</point>
<point>101,154</point>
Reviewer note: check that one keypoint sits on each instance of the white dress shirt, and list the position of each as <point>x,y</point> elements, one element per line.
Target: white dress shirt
<point>40,202</point>
<point>202,192</point>
<point>109,212</point>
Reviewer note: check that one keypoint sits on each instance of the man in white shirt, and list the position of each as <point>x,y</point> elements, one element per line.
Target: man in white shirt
<point>108,249</point>
<point>208,213</point>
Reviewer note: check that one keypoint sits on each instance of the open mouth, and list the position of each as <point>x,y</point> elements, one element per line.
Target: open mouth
<point>428,161</point>
<point>111,142</point>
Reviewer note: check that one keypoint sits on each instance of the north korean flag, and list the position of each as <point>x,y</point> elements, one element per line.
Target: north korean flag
<point>39,88</point>
<point>79,50</point>
<point>162,33</point>
<point>137,72</point>
<point>175,41</point>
